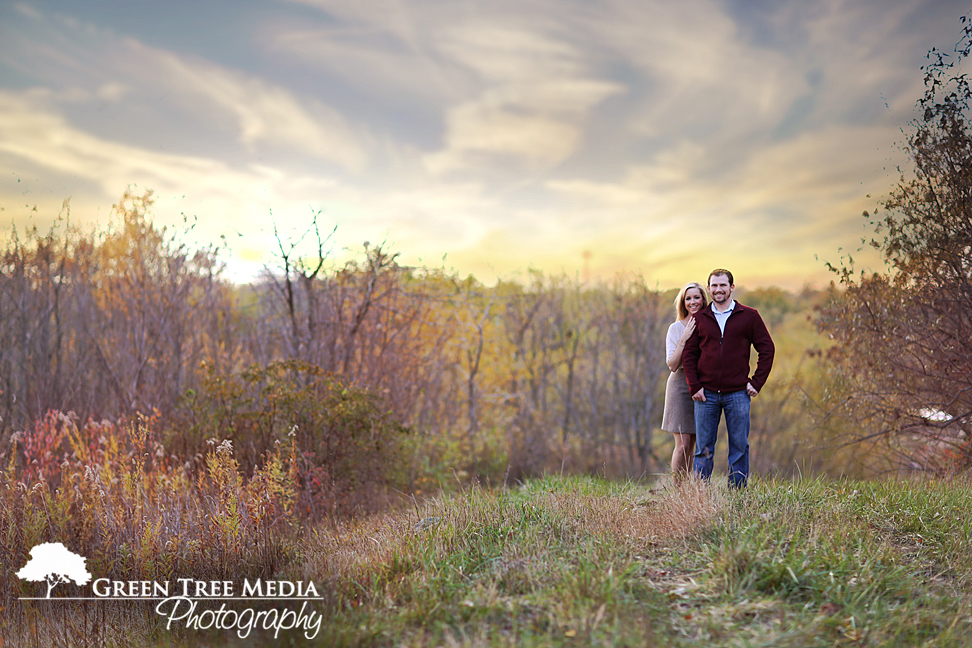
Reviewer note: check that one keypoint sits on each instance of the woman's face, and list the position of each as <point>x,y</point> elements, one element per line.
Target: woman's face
<point>693,300</point>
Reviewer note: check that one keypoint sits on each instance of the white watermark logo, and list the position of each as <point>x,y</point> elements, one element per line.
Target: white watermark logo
<point>53,563</point>
<point>186,601</point>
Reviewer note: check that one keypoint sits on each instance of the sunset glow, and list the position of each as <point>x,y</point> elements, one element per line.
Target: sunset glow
<point>580,137</point>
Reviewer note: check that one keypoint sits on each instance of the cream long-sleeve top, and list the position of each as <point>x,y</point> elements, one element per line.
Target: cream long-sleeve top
<point>671,341</point>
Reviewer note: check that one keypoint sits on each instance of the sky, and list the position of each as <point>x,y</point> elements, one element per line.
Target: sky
<point>491,137</point>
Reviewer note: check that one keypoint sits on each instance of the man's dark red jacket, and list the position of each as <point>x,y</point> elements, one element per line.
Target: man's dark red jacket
<point>720,362</point>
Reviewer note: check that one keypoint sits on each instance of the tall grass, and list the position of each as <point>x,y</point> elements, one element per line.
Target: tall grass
<point>136,513</point>
<point>555,562</point>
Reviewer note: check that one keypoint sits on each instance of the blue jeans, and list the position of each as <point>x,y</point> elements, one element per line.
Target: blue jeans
<point>736,407</point>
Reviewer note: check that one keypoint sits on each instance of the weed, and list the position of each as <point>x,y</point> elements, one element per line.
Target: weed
<point>112,494</point>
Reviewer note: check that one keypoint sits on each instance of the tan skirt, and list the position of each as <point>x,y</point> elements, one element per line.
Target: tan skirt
<point>679,415</point>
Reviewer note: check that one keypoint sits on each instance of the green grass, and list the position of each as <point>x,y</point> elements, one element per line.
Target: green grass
<point>543,564</point>
<point>586,562</point>
<point>818,563</point>
<point>577,562</point>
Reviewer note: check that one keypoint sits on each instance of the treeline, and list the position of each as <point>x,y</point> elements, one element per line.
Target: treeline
<point>107,323</point>
<point>500,382</point>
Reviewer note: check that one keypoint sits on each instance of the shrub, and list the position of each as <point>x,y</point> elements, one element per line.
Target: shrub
<point>347,445</point>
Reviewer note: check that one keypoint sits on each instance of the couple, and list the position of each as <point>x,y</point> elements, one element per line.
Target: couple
<point>708,350</point>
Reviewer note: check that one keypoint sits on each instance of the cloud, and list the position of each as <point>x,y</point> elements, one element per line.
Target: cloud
<point>32,132</point>
<point>185,94</point>
<point>478,130</point>
<point>37,142</point>
<point>659,136</point>
<point>769,216</point>
<point>698,78</point>
<point>535,92</point>
<point>427,219</point>
<point>265,113</point>
<point>512,93</point>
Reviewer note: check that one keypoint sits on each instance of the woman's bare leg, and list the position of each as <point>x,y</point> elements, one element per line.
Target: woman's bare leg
<point>682,456</point>
<point>689,452</point>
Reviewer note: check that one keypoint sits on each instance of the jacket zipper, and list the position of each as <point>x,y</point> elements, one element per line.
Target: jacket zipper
<point>722,336</point>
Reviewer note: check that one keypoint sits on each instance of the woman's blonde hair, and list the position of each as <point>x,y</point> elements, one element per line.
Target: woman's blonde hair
<point>680,309</point>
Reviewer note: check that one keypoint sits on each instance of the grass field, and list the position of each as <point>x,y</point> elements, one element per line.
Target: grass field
<point>585,562</point>
<point>564,562</point>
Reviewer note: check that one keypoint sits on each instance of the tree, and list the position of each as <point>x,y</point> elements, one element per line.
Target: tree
<point>905,333</point>
<point>107,322</point>
<point>53,563</point>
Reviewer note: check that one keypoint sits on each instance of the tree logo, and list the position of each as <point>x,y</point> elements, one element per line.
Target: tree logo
<point>53,563</point>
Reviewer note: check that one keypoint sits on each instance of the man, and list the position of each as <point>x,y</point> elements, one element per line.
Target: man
<point>716,363</point>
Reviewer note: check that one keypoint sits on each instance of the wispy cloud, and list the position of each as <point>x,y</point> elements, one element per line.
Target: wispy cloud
<point>265,114</point>
<point>34,139</point>
<point>659,136</point>
<point>509,93</point>
<point>86,61</point>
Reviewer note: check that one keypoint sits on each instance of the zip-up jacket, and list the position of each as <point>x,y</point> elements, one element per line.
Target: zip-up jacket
<point>720,362</point>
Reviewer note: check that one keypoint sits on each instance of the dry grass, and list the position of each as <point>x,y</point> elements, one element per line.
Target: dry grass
<point>135,513</point>
<point>557,561</point>
<point>553,556</point>
<point>351,549</point>
<point>582,562</point>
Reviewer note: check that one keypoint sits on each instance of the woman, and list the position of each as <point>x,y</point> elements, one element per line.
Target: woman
<point>679,418</point>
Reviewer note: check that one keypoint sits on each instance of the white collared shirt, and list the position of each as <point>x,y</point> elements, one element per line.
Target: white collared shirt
<point>721,317</point>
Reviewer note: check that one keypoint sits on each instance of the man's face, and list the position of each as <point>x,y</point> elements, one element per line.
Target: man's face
<point>720,288</point>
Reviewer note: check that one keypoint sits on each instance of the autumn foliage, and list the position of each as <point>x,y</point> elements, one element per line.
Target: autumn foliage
<point>500,382</point>
<point>905,332</point>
